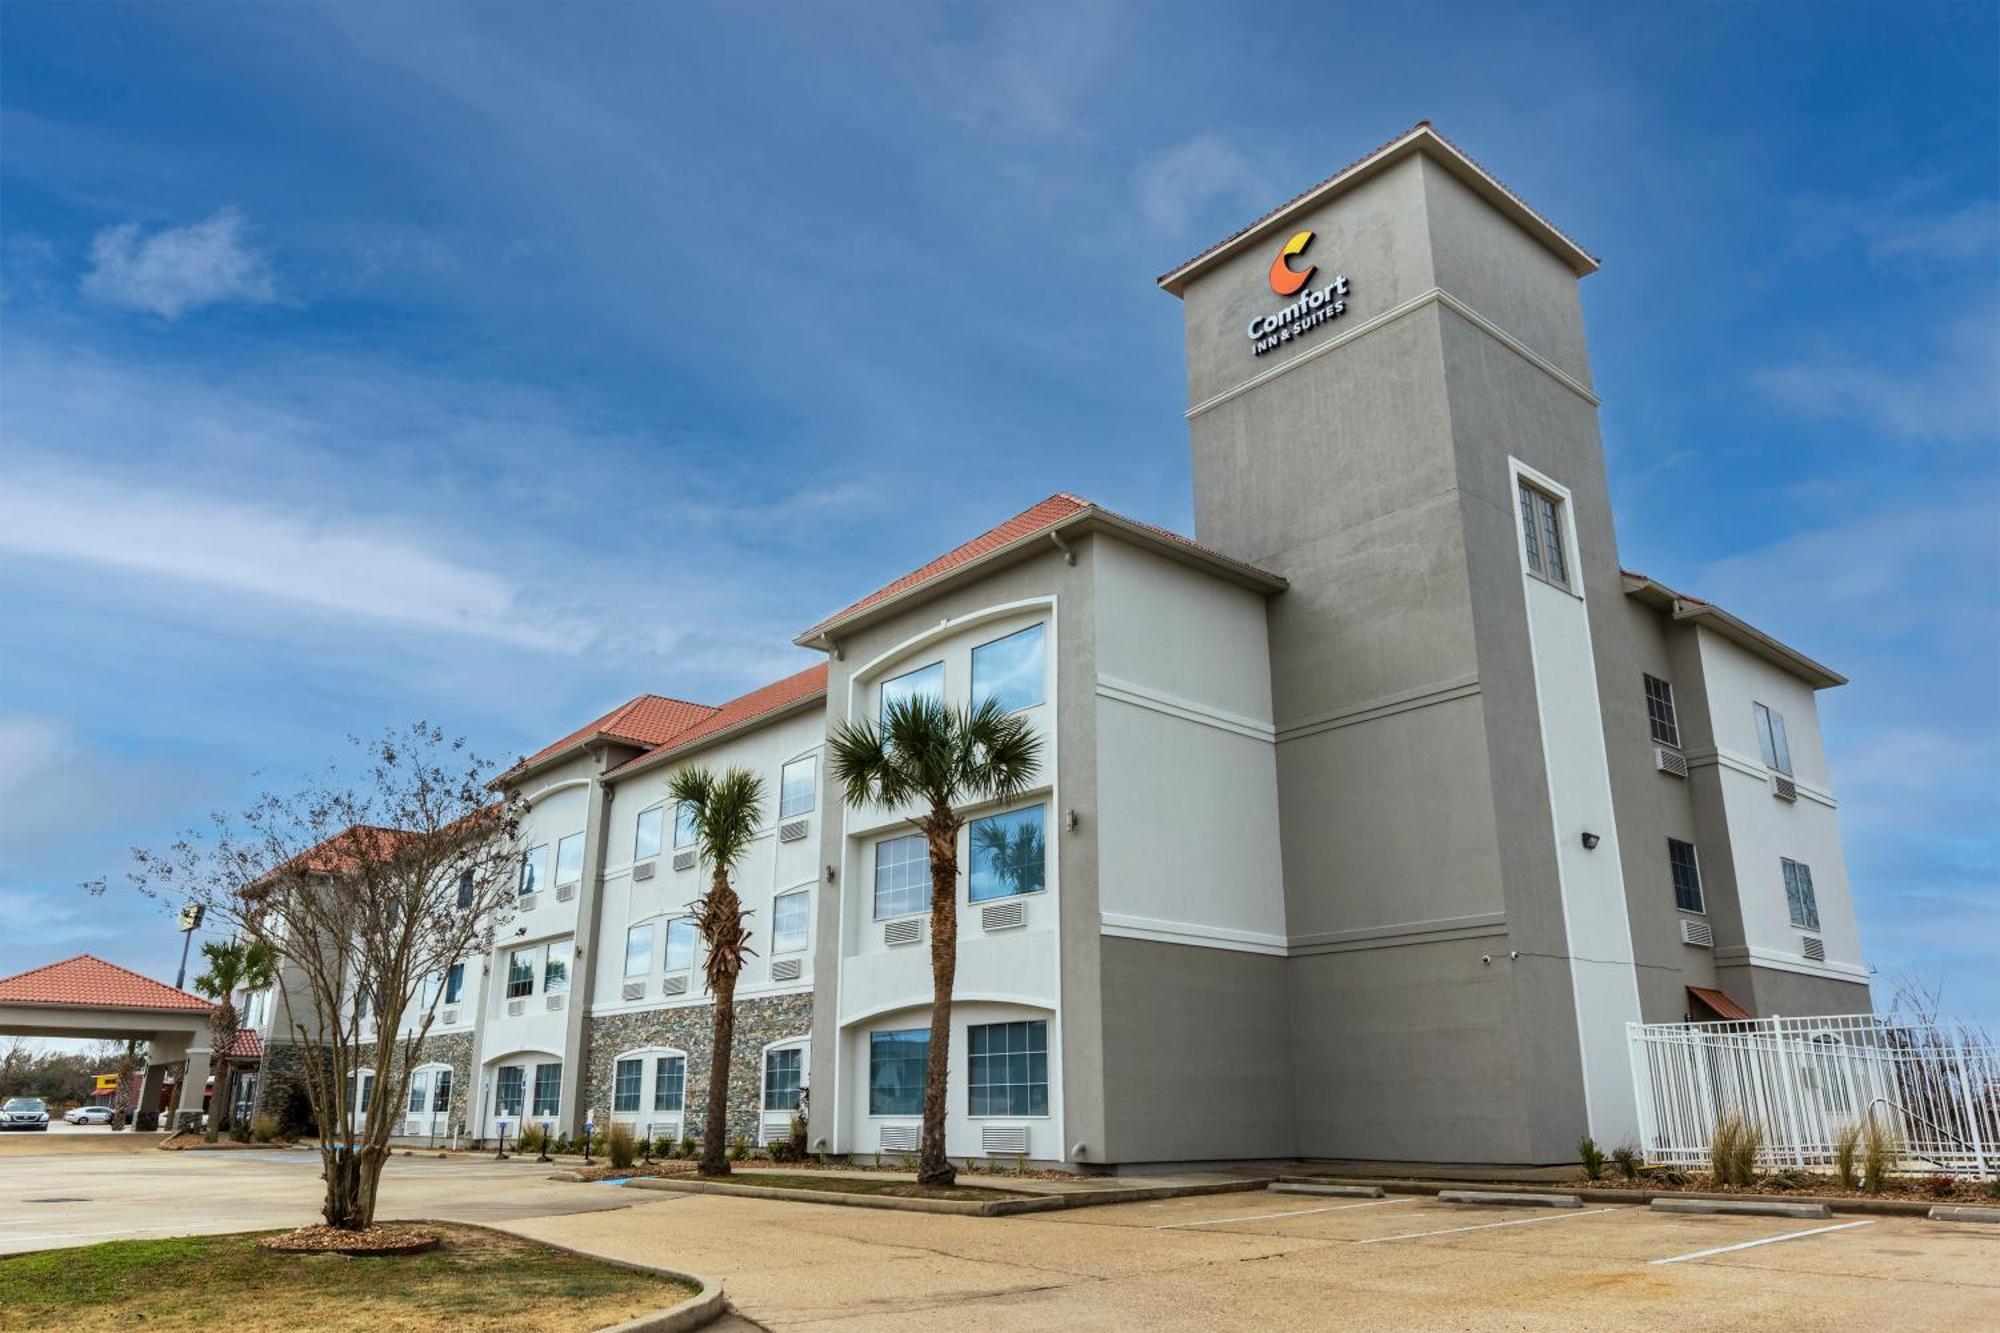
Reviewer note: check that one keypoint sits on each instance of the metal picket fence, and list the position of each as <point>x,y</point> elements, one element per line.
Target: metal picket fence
<point>1935,1091</point>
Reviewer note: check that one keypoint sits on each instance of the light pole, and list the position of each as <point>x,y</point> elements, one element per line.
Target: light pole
<point>190,922</point>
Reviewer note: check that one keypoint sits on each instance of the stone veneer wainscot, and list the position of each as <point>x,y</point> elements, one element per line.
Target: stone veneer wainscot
<point>690,1028</point>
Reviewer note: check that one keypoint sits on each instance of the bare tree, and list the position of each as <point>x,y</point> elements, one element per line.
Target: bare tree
<point>361,886</point>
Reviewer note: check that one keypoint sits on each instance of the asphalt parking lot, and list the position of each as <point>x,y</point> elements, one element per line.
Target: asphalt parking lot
<point>1231,1261</point>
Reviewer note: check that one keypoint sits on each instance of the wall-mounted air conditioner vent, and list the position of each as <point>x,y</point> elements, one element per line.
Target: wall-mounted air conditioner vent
<point>901,1138</point>
<point>448,1017</point>
<point>684,860</point>
<point>1698,933</point>
<point>909,930</point>
<point>644,870</point>
<point>555,1002</point>
<point>1009,915</point>
<point>515,1008</point>
<point>1670,761</point>
<point>565,892</point>
<point>673,986</point>
<point>633,990</point>
<point>793,831</point>
<point>525,903</point>
<point>1813,947</point>
<point>785,969</point>
<point>1784,788</point>
<point>1004,1140</point>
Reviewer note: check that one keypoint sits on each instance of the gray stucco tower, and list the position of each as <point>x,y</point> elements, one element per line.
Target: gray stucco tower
<point>1461,965</point>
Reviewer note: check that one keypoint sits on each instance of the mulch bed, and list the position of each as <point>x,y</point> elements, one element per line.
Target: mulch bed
<point>1936,1189</point>
<point>384,1238</point>
<point>602,1171</point>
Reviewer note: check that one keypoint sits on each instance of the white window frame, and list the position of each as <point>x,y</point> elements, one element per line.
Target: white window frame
<point>1527,478</point>
<point>1048,1068</point>
<point>805,935</point>
<point>868,1068</point>
<point>649,1058</point>
<point>667,946</point>
<point>1042,686</point>
<point>882,690</point>
<point>534,865</point>
<point>874,870</point>
<point>803,1045</point>
<point>1673,722</point>
<point>562,844</point>
<point>659,813</point>
<point>693,836</point>
<point>449,996</point>
<point>533,1088</point>
<point>1787,865</point>
<point>630,931</point>
<point>1774,745</point>
<point>568,946</point>
<point>965,872</point>
<point>788,811</point>
<point>1700,885</point>
<point>533,951</point>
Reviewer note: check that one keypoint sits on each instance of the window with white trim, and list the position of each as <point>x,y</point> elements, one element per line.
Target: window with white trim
<point>1777,750</point>
<point>925,681</point>
<point>626,1077</point>
<point>639,950</point>
<point>533,865</point>
<point>670,1083</point>
<point>569,859</point>
<point>684,830</point>
<point>1685,866</point>
<point>1010,670</point>
<point>548,1089</point>
<point>1542,535</point>
<point>1009,855</point>
<point>1660,714</point>
<point>791,920</point>
<point>1007,1068</point>
<point>1800,902</point>
<point>520,973</point>
<point>680,944</point>
<point>896,1062</point>
<point>784,1074</point>
<point>509,1088</point>
<point>797,786</point>
<point>465,891</point>
<point>902,876</point>
<point>454,984</point>
<point>646,835</point>
<point>555,968</point>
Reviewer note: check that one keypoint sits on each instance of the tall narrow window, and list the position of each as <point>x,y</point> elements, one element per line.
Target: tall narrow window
<point>1009,855</point>
<point>548,1090</point>
<point>639,950</point>
<point>555,970</point>
<point>433,983</point>
<point>1660,712</point>
<point>465,891</point>
<point>896,1071</point>
<point>454,984</point>
<point>508,1087</point>
<point>669,1083</point>
<point>569,859</point>
<point>1686,869</point>
<point>1009,671</point>
<point>419,1092</point>
<point>924,681</point>
<point>625,1079</point>
<point>783,1071</point>
<point>902,876</point>
<point>796,786</point>
<point>646,838</point>
<point>1799,899</point>
<point>520,973</point>
<point>1771,738</point>
<point>1542,535</point>
<point>532,868</point>
<point>1007,1068</point>
<point>367,1093</point>
<point>680,944</point>
<point>684,833</point>
<point>791,914</point>
<point>441,1094</point>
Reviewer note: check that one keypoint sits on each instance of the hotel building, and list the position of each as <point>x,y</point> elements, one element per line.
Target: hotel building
<point>1369,816</point>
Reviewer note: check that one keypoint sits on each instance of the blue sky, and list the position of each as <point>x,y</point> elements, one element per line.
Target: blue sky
<point>490,364</point>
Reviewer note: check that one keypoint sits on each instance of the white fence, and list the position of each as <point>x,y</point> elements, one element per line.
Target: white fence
<point>1803,1080</point>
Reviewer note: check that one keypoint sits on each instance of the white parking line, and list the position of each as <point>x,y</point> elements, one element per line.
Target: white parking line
<point>1482,1226</point>
<point>1768,1240</point>
<point>1265,1217</point>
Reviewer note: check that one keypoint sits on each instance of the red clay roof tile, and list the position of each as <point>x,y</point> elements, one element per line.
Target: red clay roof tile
<point>745,708</point>
<point>650,719</point>
<point>87,981</point>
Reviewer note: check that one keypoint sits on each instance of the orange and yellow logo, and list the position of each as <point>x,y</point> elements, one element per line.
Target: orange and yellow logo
<point>1286,280</point>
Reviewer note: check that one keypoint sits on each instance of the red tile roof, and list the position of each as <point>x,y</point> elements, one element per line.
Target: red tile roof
<point>344,849</point>
<point>1057,509</point>
<point>649,720</point>
<point>87,981</point>
<point>247,1046</point>
<point>771,698</point>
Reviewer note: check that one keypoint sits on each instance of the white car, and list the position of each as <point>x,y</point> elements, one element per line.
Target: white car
<point>88,1115</point>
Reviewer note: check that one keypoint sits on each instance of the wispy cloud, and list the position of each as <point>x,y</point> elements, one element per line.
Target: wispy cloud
<point>1177,185</point>
<point>1949,395</point>
<point>178,269</point>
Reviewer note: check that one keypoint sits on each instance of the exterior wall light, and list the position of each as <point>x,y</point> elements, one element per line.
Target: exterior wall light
<point>1590,841</point>
<point>1070,821</point>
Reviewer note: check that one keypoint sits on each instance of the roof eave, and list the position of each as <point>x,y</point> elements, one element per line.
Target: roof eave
<point>1424,139</point>
<point>1740,632</point>
<point>647,762</point>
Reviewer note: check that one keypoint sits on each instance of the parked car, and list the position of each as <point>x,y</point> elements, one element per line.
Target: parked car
<point>88,1115</point>
<point>25,1113</point>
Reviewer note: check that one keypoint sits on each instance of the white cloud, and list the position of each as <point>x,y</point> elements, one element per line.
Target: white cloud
<point>1949,395</point>
<point>178,269</point>
<point>1175,185</point>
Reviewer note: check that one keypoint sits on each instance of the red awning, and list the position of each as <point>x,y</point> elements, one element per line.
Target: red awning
<point>1718,1004</point>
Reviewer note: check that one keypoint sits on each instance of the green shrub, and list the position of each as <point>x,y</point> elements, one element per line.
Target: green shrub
<point>739,1149</point>
<point>532,1138</point>
<point>1846,1144</point>
<point>1627,1158</point>
<point>264,1128</point>
<point>687,1146</point>
<point>621,1147</point>
<point>1732,1151</point>
<point>1591,1156</point>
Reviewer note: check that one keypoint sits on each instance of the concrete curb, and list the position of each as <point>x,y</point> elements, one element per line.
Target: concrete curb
<point>1510,1198</point>
<point>1041,1203</point>
<point>1642,1197</point>
<point>1964,1213</point>
<point>1332,1191</point>
<point>708,1304</point>
<point>1742,1207</point>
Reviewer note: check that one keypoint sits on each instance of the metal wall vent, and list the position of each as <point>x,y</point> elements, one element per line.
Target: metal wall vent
<point>1784,788</point>
<point>1004,1140</point>
<point>448,1017</point>
<point>515,1008</point>
<point>785,969</point>
<point>555,1002</point>
<point>525,903</point>
<point>1009,915</point>
<point>1814,947</point>
<point>684,860</point>
<point>565,892</point>
<point>633,990</point>
<point>901,1138</point>
<point>674,986</point>
<point>910,930</point>
<point>1670,761</point>
<point>793,831</point>
<point>1698,933</point>
<point>644,870</point>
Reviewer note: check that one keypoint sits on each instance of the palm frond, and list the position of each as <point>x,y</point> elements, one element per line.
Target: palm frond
<point>726,811</point>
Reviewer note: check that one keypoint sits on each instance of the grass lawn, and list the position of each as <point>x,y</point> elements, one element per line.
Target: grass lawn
<point>831,1184</point>
<point>476,1280</point>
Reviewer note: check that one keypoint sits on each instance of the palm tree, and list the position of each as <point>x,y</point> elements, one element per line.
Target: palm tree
<point>233,965</point>
<point>937,758</point>
<point>131,1058</point>
<point>726,812</point>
